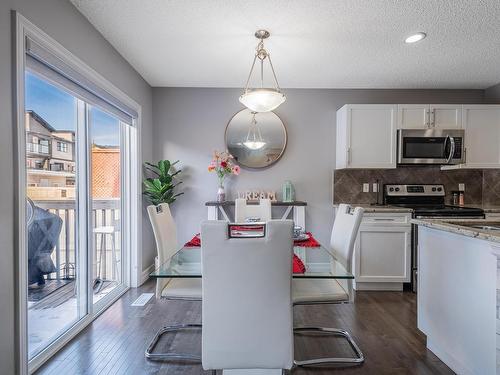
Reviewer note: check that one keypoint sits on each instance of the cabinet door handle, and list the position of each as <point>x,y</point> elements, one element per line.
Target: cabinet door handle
<point>348,155</point>
<point>383,219</point>
<point>433,118</point>
<point>427,118</point>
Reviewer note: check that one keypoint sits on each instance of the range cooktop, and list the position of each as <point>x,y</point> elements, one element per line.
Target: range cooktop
<point>443,210</point>
<point>426,200</point>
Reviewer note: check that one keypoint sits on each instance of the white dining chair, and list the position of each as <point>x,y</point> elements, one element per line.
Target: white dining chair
<point>329,291</point>
<point>244,211</point>
<point>246,307</point>
<point>186,289</point>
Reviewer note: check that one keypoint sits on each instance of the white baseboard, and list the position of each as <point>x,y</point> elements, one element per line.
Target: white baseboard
<point>145,274</point>
<point>393,287</point>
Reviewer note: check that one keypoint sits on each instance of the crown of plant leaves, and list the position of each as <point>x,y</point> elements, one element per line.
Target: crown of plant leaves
<point>160,188</point>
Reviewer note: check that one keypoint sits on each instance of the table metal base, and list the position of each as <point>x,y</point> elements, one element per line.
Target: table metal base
<point>359,359</point>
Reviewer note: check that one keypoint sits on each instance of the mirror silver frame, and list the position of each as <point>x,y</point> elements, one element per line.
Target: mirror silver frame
<point>280,154</point>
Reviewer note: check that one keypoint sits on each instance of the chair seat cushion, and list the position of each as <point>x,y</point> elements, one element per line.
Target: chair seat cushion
<point>318,290</point>
<point>189,288</point>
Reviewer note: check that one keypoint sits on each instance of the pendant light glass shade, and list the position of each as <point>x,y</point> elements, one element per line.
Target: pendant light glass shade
<point>254,139</point>
<point>254,145</point>
<point>262,99</point>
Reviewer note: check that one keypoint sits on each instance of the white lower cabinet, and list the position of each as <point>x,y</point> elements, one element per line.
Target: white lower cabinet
<point>382,253</point>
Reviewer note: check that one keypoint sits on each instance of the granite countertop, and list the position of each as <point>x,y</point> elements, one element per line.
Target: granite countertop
<point>388,208</point>
<point>488,209</point>
<point>381,209</point>
<point>459,227</point>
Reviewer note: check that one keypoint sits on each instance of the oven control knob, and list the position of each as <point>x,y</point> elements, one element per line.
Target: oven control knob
<point>440,188</point>
<point>397,189</point>
<point>391,189</point>
<point>433,189</point>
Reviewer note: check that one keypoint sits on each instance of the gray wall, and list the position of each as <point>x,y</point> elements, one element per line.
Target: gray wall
<point>65,24</point>
<point>189,124</point>
<point>492,94</point>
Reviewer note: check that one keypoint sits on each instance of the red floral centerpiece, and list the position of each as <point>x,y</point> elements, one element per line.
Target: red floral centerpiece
<point>223,165</point>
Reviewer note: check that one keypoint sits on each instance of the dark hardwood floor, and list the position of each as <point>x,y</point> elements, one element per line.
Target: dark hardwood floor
<point>382,323</point>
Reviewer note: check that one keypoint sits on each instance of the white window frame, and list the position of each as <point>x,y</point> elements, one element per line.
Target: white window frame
<point>133,275</point>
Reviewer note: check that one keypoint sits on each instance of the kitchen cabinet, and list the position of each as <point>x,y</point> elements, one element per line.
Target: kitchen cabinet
<point>382,252</point>
<point>428,116</point>
<point>413,116</point>
<point>482,136</point>
<point>366,136</point>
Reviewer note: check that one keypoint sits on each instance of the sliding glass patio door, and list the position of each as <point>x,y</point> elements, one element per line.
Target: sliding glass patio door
<point>105,133</point>
<point>75,172</point>
<point>57,293</point>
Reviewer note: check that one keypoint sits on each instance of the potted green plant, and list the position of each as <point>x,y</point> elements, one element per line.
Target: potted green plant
<point>160,188</point>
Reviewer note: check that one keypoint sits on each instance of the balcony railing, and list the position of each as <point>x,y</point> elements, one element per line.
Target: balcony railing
<point>104,213</point>
<point>37,148</point>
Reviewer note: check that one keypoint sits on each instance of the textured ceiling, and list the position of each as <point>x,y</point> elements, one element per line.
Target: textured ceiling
<point>314,43</point>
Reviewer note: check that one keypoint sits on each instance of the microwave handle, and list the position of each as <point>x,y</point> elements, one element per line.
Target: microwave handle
<point>452,148</point>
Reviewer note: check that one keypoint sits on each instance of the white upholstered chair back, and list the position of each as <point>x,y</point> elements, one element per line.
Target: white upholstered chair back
<point>344,233</point>
<point>243,210</point>
<point>247,307</point>
<point>165,233</point>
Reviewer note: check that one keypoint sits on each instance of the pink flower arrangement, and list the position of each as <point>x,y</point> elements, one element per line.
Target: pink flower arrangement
<point>223,164</point>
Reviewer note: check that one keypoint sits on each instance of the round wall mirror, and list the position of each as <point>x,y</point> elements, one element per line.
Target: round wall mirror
<point>256,139</point>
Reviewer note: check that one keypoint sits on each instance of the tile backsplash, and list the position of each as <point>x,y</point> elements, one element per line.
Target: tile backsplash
<point>482,187</point>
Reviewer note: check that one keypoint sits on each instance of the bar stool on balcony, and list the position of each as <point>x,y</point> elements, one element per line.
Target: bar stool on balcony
<point>105,231</point>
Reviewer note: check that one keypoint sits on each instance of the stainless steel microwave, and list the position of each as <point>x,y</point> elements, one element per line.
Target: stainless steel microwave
<point>431,146</point>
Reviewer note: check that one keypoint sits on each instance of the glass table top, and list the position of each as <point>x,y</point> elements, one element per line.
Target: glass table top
<point>320,263</point>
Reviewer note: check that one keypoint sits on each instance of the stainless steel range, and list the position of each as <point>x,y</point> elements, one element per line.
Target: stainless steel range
<point>426,201</point>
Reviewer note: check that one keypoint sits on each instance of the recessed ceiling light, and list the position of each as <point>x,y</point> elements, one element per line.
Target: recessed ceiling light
<point>415,38</point>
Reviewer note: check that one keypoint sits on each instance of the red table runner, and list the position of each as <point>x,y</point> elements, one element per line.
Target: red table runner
<point>311,242</point>
<point>298,265</point>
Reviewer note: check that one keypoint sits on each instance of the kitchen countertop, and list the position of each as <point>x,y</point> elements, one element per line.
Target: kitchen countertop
<point>488,209</point>
<point>382,209</point>
<point>456,226</point>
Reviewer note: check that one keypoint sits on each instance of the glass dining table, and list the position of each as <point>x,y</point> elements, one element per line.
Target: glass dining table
<point>319,263</point>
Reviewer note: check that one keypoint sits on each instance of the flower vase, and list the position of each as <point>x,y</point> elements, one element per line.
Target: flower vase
<point>221,194</point>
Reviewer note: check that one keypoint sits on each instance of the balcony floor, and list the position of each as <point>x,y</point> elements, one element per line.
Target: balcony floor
<point>52,309</point>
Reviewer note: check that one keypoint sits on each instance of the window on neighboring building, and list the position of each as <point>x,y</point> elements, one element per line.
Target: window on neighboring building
<point>57,167</point>
<point>62,146</point>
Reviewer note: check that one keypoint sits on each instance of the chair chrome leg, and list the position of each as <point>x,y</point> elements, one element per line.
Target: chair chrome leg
<point>359,359</point>
<point>171,356</point>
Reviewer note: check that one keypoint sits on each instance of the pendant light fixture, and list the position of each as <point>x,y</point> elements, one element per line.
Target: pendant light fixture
<point>254,139</point>
<point>262,99</point>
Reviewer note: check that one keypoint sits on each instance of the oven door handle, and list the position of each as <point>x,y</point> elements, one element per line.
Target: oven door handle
<point>452,148</point>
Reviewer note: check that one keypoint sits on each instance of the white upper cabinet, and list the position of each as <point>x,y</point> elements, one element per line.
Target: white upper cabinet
<point>413,116</point>
<point>482,136</point>
<point>428,116</point>
<point>366,136</point>
<point>446,116</point>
